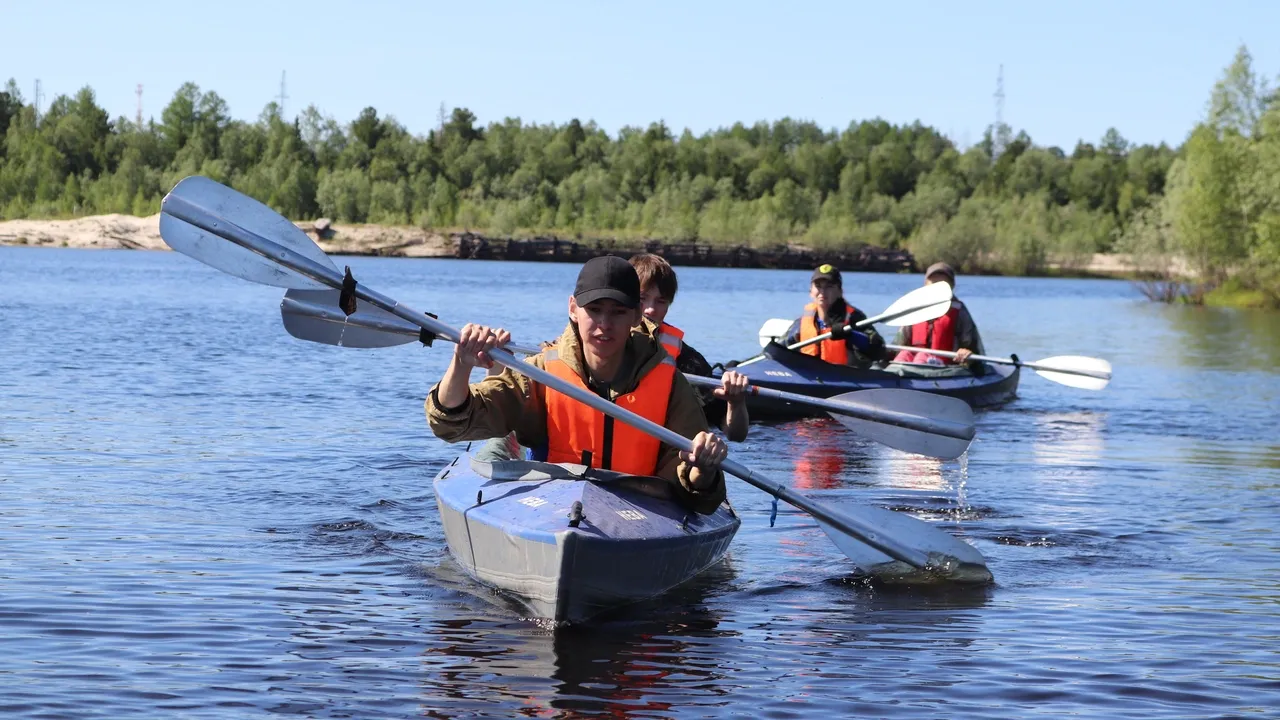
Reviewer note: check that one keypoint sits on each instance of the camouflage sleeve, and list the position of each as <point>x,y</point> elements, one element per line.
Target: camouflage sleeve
<point>496,405</point>
<point>684,416</point>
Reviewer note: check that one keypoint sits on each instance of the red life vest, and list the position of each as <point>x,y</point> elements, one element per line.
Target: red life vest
<point>573,427</point>
<point>938,334</point>
<point>672,338</point>
<point>830,350</point>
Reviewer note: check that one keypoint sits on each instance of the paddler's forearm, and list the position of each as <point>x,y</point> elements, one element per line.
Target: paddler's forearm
<point>736,421</point>
<point>455,386</point>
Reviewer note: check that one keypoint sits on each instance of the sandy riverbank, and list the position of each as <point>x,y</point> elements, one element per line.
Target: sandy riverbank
<point>114,232</point>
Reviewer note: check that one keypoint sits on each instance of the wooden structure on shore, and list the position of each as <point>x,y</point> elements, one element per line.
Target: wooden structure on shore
<point>865,258</point>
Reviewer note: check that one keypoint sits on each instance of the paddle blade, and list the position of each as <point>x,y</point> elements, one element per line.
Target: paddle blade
<point>200,200</point>
<point>314,315</point>
<point>924,304</point>
<point>909,402</point>
<point>950,559</point>
<point>1071,366</point>
<point>774,329</point>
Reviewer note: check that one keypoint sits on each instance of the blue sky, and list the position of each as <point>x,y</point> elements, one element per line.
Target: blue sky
<point>1071,70</point>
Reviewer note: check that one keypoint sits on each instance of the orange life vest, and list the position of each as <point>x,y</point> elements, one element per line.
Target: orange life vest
<point>831,350</point>
<point>672,338</point>
<point>938,334</point>
<point>574,429</point>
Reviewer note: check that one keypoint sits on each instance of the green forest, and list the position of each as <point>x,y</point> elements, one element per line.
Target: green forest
<point>1210,208</point>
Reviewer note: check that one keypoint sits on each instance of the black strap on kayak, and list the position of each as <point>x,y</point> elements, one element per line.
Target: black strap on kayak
<point>606,463</point>
<point>347,296</point>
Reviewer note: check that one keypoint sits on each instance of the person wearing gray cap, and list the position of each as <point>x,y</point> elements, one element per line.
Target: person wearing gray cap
<point>606,350</point>
<point>955,331</point>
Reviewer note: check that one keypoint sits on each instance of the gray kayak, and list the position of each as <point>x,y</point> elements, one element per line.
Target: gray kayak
<point>569,542</point>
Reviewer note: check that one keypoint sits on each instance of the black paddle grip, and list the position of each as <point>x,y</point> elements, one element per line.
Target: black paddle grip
<point>425,336</point>
<point>347,296</point>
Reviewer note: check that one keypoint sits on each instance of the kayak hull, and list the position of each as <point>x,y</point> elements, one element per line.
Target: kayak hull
<point>795,372</point>
<point>507,523</point>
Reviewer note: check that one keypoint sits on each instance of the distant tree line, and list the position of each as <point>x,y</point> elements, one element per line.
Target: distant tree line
<point>1220,212</point>
<point>1004,204</point>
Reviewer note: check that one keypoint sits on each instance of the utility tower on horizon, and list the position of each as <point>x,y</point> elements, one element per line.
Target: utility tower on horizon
<point>139,93</point>
<point>283,96</point>
<point>37,96</point>
<point>999,134</point>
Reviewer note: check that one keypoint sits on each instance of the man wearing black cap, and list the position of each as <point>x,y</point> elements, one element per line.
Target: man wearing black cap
<point>829,313</point>
<point>955,332</point>
<point>603,351</point>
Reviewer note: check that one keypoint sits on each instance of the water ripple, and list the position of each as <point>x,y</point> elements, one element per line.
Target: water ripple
<point>204,518</point>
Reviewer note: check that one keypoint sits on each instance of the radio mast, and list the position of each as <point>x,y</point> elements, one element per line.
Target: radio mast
<point>999,135</point>
<point>283,96</point>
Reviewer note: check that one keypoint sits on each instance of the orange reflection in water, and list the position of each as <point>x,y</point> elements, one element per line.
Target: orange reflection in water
<point>820,454</point>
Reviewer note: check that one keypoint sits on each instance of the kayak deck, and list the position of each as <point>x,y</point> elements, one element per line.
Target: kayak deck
<point>795,372</point>
<point>507,523</point>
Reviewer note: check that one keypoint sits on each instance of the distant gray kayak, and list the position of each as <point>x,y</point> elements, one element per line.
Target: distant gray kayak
<point>567,542</point>
<point>794,372</point>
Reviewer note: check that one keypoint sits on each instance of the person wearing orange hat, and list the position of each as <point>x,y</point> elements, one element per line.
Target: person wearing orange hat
<point>955,331</point>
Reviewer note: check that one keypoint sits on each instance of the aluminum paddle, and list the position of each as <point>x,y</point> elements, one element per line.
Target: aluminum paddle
<point>907,420</point>
<point>1076,371</point>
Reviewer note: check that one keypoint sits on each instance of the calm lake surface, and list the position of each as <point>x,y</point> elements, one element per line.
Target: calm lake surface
<point>201,517</point>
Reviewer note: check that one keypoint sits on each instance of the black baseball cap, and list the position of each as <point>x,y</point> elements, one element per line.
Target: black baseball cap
<point>828,272</point>
<point>608,277</point>
<point>941,268</point>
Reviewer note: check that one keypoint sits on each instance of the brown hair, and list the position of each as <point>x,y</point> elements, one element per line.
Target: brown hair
<point>655,270</point>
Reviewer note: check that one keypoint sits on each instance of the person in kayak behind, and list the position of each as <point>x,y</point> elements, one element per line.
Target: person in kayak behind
<point>725,406</point>
<point>829,312</point>
<point>601,350</point>
<point>955,331</point>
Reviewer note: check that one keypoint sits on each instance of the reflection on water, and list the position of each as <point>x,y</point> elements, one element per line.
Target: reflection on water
<point>914,472</point>
<point>820,451</point>
<point>686,656</point>
<point>1224,337</point>
<point>1069,438</point>
<point>1229,455</point>
<point>643,659</point>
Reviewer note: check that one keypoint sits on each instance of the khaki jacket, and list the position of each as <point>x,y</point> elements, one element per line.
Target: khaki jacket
<point>511,402</point>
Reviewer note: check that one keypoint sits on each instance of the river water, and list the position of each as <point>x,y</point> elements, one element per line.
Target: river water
<point>201,517</point>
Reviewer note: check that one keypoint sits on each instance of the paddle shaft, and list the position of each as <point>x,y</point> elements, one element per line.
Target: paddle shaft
<point>199,217</point>
<point>882,317</point>
<point>1006,361</point>
<point>873,414</point>
<point>865,412</point>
